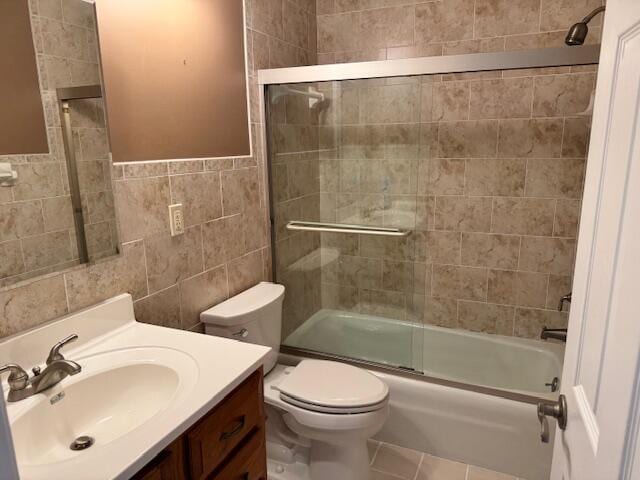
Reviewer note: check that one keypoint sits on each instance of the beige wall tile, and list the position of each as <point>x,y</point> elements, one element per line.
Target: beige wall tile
<point>199,194</point>
<point>295,24</point>
<point>437,21</point>
<point>356,272</point>
<point>557,95</point>
<point>20,220</point>
<point>504,98</point>
<point>161,308</point>
<point>142,207</point>
<point>561,14</point>
<point>442,247</point>
<point>339,297</point>
<point>37,180</point>
<point>529,322</point>
<point>490,250</point>
<point>467,283</point>
<point>467,214</point>
<point>551,177</point>
<point>12,261</point>
<point>244,272</point>
<point>450,101</point>
<point>32,304</point>
<point>468,139</point>
<point>442,312</point>
<point>485,317</point>
<point>492,176</point>
<point>559,286</point>
<point>339,33</point>
<point>383,303</point>
<point>47,249</point>
<point>506,17</point>
<point>58,213</point>
<point>171,259</point>
<point>267,17</point>
<point>575,138</point>
<point>547,255</point>
<point>524,216</point>
<point>387,27</point>
<point>390,104</point>
<point>517,288</point>
<point>125,273</point>
<point>530,138</point>
<point>201,292</point>
<point>567,218</point>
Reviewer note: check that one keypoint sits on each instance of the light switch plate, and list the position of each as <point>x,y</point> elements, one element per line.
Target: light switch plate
<point>176,219</point>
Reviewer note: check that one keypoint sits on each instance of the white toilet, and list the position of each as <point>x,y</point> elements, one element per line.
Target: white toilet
<point>320,413</point>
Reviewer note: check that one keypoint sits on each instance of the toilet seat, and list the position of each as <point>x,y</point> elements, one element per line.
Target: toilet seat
<point>331,387</point>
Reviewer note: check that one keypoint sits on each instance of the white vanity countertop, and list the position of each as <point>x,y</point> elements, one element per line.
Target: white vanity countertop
<point>208,368</point>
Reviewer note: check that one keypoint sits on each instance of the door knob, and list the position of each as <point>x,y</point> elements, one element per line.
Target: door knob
<point>557,410</point>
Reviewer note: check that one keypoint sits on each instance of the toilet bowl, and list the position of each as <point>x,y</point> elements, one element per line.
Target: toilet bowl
<point>320,413</point>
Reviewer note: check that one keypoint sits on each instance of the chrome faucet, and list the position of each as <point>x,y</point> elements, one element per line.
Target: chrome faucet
<point>57,369</point>
<point>564,298</point>
<point>554,333</point>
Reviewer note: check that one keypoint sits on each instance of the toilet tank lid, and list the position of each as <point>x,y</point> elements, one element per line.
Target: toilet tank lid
<point>230,311</point>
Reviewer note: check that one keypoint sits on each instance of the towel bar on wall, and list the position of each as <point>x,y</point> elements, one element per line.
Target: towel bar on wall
<point>347,228</point>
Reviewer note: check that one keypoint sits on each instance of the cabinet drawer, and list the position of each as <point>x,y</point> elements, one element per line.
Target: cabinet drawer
<point>249,463</point>
<point>239,415</point>
<point>167,465</point>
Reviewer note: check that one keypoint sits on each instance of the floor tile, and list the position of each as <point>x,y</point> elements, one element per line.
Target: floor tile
<point>399,461</point>
<point>375,475</point>
<point>477,473</point>
<point>372,447</point>
<point>434,468</point>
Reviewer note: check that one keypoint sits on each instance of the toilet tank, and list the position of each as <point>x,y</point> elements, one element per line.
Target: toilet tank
<point>253,316</point>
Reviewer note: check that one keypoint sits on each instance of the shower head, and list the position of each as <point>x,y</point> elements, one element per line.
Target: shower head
<point>578,31</point>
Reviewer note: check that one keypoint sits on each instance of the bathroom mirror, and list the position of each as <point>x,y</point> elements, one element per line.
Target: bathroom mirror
<point>56,199</point>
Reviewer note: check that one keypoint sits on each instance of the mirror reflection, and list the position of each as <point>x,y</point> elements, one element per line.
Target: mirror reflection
<point>56,208</point>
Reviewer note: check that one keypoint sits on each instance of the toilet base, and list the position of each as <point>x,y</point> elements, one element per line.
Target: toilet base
<point>287,471</point>
<point>339,462</point>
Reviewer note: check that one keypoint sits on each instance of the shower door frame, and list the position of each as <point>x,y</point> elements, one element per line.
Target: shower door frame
<point>473,62</point>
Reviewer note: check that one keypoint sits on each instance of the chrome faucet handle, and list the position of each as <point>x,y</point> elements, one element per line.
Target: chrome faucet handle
<point>55,354</point>
<point>18,378</point>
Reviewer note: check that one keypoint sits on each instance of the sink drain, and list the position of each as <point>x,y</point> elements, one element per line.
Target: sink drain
<point>82,443</point>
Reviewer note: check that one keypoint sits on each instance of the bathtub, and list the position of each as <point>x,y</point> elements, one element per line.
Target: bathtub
<point>488,426</point>
<point>507,363</point>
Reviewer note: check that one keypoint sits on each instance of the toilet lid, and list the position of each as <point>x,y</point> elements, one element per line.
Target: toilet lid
<point>333,384</point>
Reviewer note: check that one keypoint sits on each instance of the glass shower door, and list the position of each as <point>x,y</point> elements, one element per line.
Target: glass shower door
<point>344,161</point>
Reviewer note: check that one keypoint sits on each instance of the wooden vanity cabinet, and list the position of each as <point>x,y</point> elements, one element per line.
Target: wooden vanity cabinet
<point>228,443</point>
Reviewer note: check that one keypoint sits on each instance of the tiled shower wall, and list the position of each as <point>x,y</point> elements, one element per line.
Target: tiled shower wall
<point>486,168</point>
<point>225,249</point>
<point>357,30</point>
<point>36,224</point>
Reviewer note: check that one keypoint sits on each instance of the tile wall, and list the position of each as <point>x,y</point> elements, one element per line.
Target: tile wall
<point>225,248</point>
<point>36,225</point>
<point>358,30</point>
<point>485,169</point>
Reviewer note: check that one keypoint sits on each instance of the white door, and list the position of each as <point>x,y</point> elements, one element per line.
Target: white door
<point>601,378</point>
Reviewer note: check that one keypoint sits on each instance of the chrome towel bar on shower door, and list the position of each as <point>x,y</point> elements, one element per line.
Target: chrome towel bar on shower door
<point>347,228</point>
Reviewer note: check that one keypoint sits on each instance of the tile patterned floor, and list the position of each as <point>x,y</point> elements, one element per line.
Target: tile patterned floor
<point>390,462</point>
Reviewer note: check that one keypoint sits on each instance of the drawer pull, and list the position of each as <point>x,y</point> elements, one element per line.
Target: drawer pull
<point>235,430</point>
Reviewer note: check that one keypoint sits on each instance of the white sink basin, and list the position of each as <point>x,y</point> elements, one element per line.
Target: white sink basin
<point>141,386</point>
<point>115,394</point>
